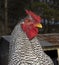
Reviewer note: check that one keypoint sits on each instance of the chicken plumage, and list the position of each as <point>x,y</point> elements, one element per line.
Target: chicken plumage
<point>24,51</point>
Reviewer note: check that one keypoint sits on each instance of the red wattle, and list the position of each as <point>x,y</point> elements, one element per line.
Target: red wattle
<point>30,31</point>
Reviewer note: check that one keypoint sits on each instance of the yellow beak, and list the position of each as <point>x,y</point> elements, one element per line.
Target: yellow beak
<point>38,25</point>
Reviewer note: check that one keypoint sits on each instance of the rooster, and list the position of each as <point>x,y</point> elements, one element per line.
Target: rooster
<point>24,46</point>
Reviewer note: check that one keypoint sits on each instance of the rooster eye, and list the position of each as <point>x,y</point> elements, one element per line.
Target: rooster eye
<point>29,20</point>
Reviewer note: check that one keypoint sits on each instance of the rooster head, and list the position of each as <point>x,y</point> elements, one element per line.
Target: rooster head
<point>30,25</point>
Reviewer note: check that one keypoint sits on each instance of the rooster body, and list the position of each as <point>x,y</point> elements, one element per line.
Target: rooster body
<point>26,52</point>
<point>24,46</point>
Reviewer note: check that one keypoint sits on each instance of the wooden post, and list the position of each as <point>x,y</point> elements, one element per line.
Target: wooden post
<point>6,18</point>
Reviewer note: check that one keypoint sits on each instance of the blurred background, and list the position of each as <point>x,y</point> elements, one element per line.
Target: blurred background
<point>12,11</point>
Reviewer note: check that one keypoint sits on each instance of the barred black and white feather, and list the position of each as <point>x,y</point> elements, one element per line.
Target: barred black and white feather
<point>25,52</point>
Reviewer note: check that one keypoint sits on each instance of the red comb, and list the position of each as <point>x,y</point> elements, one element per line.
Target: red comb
<point>34,16</point>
